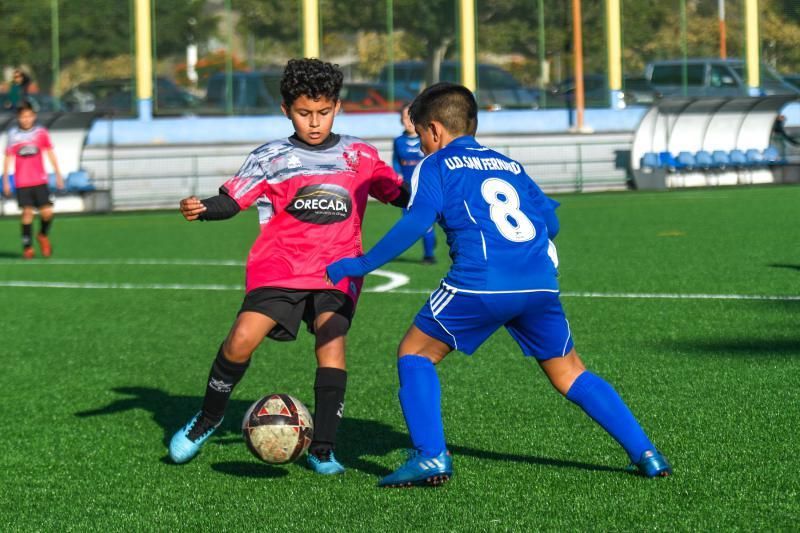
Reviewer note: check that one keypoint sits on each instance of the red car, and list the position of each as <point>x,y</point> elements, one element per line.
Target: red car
<point>371,98</point>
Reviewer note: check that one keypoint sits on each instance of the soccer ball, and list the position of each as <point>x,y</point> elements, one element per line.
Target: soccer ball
<point>278,428</point>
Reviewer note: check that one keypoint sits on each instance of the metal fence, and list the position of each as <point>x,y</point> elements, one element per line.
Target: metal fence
<point>157,177</point>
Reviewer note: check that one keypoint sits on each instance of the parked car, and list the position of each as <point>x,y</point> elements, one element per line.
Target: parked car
<point>635,91</point>
<point>712,77</point>
<point>254,92</point>
<point>497,88</point>
<point>373,97</point>
<point>118,95</point>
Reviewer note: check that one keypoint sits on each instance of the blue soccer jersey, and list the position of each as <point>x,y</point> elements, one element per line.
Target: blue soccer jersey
<point>493,215</point>
<point>406,155</point>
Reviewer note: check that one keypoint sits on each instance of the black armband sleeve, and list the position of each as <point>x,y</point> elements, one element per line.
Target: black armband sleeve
<point>404,196</point>
<point>219,207</point>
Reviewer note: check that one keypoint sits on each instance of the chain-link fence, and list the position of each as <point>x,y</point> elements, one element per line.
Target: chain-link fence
<point>221,57</point>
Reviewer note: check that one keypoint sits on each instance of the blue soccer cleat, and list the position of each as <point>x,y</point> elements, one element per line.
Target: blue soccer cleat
<point>186,442</point>
<point>421,471</point>
<point>326,465</point>
<point>652,464</point>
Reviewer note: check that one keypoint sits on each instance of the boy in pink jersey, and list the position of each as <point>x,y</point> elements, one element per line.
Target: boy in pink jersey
<point>26,143</point>
<point>311,191</point>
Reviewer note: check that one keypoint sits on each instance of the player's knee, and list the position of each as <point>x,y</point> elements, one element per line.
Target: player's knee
<point>239,345</point>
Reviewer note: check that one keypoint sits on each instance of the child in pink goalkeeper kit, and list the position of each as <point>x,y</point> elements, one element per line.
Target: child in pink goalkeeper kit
<point>26,143</point>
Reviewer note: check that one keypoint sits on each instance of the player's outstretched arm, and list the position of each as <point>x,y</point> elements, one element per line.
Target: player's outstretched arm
<point>191,208</point>
<point>401,237</point>
<point>220,207</point>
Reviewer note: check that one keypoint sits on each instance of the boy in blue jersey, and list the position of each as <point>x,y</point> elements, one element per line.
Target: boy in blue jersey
<point>500,227</point>
<point>406,155</point>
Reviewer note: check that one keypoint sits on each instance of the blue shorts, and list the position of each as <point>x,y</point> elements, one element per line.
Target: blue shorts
<point>464,320</point>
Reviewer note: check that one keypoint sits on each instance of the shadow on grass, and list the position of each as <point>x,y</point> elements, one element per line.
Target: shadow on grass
<point>4,254</point>
<point>359,439</point>
<point>735,347</point>
<point>785,265</point>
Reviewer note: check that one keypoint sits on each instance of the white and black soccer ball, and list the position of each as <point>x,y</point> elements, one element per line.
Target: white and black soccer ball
<point>278,428</point>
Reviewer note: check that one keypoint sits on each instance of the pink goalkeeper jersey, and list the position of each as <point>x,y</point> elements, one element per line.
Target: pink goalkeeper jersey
<point>26,146</point>
<point>311,205</point>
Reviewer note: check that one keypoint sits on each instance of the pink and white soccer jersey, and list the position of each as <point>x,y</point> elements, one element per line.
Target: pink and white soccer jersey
<point>311,205</point>
<point>26,146</point>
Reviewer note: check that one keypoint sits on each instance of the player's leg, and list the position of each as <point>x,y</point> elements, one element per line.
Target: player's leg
<point>330,385</point>
<point>543,332</point>
<point>45,221</point>
<point>449,320</point>
<point>27,231</point>
<point>228,368</point>
<point>429,462</point>
<point>428,246</point>
<point>603,404</point>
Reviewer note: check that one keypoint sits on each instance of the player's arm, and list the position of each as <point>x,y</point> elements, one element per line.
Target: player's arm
<point>235,195</point>
<point>6,183</point>
<point>387,186</point>
<point>51,155</point>
<point>547,208</point>
<point>423,211</point>
<point>398,168</point>
<point>219,207</point>
<point>408,230</point>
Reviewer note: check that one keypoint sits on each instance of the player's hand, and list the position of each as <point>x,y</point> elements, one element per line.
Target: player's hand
<point>7,191</point>
<point>347,267</point>
<point>191,208</point>
<point>59,182</point>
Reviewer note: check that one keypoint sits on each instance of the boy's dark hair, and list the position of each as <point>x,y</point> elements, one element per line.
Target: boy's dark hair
<point>312,78</point>
<point>25,105</point>
<point>449,103</point>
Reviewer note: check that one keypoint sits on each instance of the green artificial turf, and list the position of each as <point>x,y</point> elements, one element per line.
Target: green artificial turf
<point>96,378</point>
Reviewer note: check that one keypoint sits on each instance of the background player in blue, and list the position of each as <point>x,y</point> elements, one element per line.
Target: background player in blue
<point>499,227</point>
<point>406,155</point>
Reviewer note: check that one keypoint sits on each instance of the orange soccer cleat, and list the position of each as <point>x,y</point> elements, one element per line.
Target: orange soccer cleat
<point>28,253</point>
<point>44,245</point>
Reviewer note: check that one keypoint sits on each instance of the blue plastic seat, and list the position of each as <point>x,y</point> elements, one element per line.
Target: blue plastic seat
<point>650,160</point>
<point>738,159</point>
<point>720,158</point>
<point>78,181</point>
<point>772,156</point>
<point>668,161</point>
<point>703,159</point>
<point>754,157</point>
<point>686,160</point>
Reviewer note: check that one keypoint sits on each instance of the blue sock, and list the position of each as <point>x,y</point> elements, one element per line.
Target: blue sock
<point>429,242</point>
<point>420,397</point>
<point>600,401</point>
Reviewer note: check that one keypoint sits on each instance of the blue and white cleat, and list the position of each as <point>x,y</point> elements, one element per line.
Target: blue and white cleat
<point>421,471</point>
<point>652,464</point>
<point>327,466</point>
<point>186,442</point>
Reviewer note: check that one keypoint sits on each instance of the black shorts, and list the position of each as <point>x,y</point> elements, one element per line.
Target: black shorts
<point>36,196</point>
<point>288,307</point>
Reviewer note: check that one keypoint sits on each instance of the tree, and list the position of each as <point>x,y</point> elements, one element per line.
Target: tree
<point>96,29</point>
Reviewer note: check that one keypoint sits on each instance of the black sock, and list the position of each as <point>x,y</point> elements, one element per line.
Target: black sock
<point>44,226</point>
<point>222,379</point>
<point>329,388</point>
<point>27,235</point>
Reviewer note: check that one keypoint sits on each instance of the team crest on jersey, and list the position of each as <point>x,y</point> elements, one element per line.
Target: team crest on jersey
<point>293,162</point>
<point>352,159</point>
<point>321,204</point>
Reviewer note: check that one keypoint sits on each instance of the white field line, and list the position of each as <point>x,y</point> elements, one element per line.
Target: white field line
<point>393,285</point>
<point>382,288</point>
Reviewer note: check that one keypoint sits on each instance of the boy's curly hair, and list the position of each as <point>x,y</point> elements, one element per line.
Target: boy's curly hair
<point>312,78</point>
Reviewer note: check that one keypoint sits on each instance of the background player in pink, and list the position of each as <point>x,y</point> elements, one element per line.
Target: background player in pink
<point>311,190</point>
<point>26,143</point>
